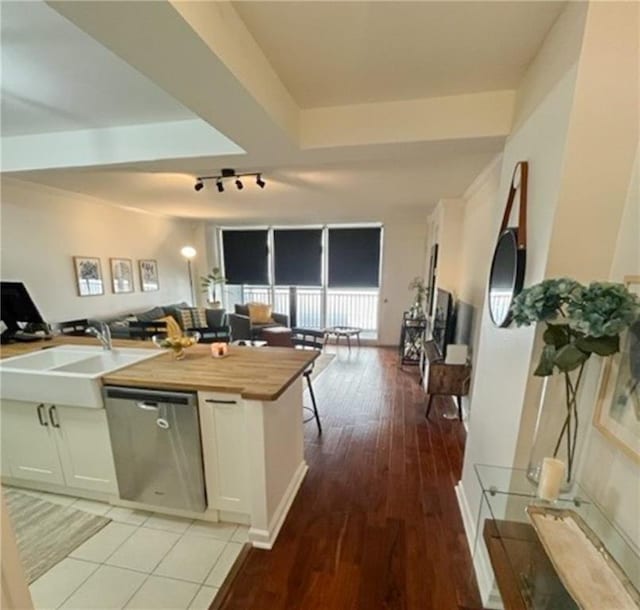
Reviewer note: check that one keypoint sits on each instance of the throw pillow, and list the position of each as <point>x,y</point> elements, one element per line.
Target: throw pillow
<point>193,317</point>
<point>260,313</point>
<point>173,328</point>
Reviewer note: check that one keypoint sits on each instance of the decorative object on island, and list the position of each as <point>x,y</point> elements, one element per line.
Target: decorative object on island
<point>177,344</point>
<point>580,321</point>
<point>148,275</point>
<point>88,276</point>
<point>510,255</point>
<point>189,252</point>
<point>227,174</point>
<point>617,413</point>
<point>219,350</point>
<point>121,275</point>
<point>208,284</point>
<point>417,308</point>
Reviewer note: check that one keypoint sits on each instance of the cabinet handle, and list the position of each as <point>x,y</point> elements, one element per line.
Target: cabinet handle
<point>54,420</point>
<point>40,411</point>
<point>220,402</point>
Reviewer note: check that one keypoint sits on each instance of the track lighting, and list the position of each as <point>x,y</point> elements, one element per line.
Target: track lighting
<point>229,174</point>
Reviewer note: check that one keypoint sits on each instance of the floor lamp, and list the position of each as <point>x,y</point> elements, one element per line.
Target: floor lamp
<point>189,252</point>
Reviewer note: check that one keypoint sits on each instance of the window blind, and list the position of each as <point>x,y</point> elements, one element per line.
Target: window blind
<point>297,257</point>
<point>354,258</point>
<point>245,257</point>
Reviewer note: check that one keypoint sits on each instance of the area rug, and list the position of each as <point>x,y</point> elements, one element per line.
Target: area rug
<point>45,532</point>
<point>321,364</point>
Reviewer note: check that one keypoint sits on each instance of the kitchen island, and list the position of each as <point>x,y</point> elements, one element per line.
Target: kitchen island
<point>250,416</point>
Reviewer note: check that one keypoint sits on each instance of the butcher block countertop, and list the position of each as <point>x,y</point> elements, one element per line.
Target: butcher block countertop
<point>256,373</point>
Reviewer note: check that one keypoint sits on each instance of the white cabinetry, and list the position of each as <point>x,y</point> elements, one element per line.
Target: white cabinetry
<point>57,444</point>
<point>224,448</point>
<point>85,448</point>
<point>29,448</point>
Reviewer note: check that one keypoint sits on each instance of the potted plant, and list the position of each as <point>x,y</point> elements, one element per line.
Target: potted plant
<point>580,321</point>
<point>417,308</point>
<point>209,283</point>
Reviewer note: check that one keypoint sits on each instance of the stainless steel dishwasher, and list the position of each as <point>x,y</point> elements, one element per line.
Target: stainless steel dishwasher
<point>155,436</point>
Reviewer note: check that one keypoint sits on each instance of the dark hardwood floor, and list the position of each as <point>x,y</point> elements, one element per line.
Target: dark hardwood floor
<point>376,522</point>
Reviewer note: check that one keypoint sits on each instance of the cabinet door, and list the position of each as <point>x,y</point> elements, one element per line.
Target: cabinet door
<point>84,446</point>
<point>224,451</point>
<point>29,443</point>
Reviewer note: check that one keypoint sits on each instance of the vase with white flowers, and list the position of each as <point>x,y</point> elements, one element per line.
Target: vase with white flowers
<point>580,321</point>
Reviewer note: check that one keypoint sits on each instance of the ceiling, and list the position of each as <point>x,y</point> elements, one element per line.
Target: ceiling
<point>335,53</point>
<point>395,185</point>
<point>57,78</point>
<point>269,77</point>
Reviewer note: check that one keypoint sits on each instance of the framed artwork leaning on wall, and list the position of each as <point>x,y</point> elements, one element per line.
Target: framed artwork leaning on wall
<point>617,412</point>
<point>89,280</point>
<point>149,275</point>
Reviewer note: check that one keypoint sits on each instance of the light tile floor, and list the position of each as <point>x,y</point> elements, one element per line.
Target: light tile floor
<point>141,561</point>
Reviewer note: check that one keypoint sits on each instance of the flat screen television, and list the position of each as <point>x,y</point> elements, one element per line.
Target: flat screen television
<point>17,306</point>
<point>443,326</point>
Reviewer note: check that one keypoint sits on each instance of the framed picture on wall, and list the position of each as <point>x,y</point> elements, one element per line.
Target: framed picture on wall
<point>617,412</point>
<point>88,276</point>
<point>121,275</point>
<point>149,275</point>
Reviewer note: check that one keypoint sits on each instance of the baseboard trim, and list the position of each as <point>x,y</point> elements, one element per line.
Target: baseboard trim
<point>265,539</point>
<point>484,573</point>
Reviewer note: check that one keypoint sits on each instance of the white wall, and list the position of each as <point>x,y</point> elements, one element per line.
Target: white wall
<point>504,355</point>
<point>403,258</point>
<point>576,124</point>
<point>607,473</point>
<point>42,228</point>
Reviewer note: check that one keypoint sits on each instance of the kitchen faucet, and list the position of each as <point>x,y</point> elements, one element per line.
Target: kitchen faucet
<point>103,335</point>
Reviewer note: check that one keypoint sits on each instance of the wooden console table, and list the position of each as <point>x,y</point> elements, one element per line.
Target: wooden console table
<point>444,379</point>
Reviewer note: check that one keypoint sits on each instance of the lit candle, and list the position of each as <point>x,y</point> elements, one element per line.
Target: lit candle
<point>218,350</point>
<point>551,477</point>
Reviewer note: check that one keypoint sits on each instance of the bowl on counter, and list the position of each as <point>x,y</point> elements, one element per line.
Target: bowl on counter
<point>177,344</point>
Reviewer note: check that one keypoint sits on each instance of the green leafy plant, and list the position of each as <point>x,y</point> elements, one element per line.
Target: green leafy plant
<point>209,282</point>
<point>418,285</point>
<point>580,321</point>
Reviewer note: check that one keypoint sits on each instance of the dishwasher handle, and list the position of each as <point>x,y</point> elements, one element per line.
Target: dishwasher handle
<point>147,406</point>
<point>149,396</point>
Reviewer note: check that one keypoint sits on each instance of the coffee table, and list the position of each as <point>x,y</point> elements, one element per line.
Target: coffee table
<point>342,331</point>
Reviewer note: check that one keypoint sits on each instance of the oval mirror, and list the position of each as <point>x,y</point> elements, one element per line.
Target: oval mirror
<point>506,277</point>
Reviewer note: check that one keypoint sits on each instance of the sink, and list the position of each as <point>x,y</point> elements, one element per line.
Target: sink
<point>65,375</point>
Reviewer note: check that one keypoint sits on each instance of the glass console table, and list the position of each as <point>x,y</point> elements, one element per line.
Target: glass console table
<point>524,574</point>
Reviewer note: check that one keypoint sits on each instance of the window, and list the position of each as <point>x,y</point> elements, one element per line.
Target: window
<point>354,258</point>
<point>297,257</point>
<point>319,276</point>
<point>246,257</point>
